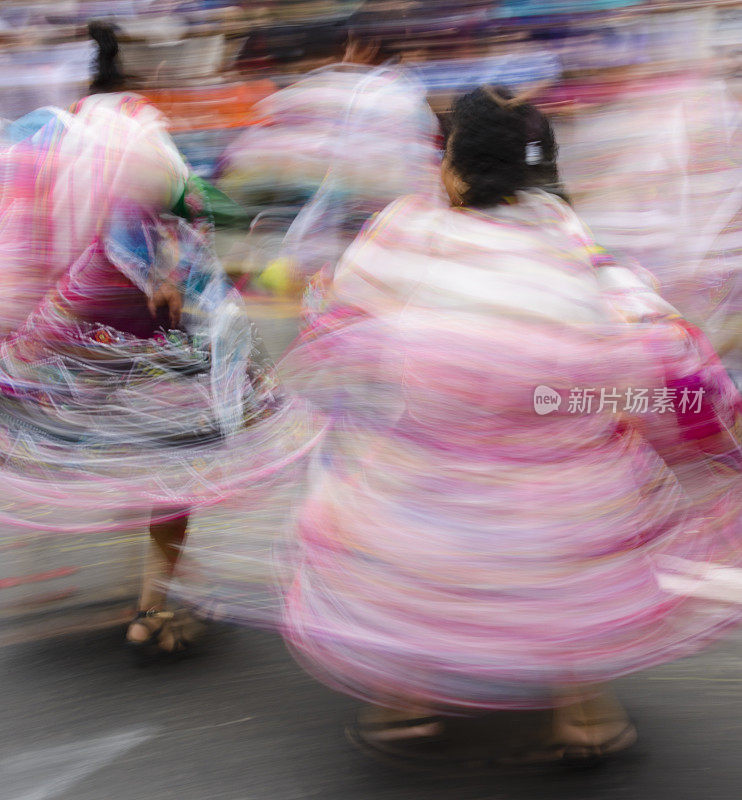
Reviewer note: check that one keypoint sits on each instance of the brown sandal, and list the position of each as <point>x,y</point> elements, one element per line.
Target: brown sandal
<point>150,650</point>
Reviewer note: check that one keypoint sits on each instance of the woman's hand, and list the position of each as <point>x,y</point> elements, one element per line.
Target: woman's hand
<point>167,295</point>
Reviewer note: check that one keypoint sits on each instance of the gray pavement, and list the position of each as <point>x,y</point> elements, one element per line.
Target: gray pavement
<point>240,721</point>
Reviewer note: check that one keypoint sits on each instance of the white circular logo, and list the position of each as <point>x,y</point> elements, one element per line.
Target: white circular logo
<point>546,400</point>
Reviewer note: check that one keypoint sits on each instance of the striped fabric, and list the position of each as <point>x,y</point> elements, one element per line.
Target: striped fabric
<point>462,550</point>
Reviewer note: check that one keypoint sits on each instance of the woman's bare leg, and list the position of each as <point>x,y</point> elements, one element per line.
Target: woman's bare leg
<point>163,552</point>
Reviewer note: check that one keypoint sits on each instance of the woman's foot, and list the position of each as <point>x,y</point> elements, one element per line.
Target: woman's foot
<point>397,735</point>
<point>591,729</point>
<point>153,634</point>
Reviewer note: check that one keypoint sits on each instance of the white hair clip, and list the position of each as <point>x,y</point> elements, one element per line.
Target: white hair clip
<point>534,154</point>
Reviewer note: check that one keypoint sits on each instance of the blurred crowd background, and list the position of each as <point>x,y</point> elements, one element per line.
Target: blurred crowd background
<point>206,63</point>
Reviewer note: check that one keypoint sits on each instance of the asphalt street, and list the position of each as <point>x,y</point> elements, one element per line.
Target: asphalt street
<point>240,721</point>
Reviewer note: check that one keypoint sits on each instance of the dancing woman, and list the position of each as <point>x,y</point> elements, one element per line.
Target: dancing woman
<point>463,550</point>
<point>131,388</point>
<point>346,140</point>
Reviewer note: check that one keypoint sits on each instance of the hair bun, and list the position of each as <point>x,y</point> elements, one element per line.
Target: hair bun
<point>108,76</point>
<point>104,33</point>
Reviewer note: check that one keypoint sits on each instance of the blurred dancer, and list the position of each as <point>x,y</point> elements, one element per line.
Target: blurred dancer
<point>124,385</point>
<point>349,138</point>
<point>490,527</point>
<point>652,161</point>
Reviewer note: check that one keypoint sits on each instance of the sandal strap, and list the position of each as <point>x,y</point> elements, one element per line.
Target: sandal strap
<point>161,618</point>
<point>152,613</point>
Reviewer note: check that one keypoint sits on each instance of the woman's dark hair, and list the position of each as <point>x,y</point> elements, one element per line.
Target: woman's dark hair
<point>286,44</point>
<point>376,28</point>
<point>107,76</point>
<point>498,146</point>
